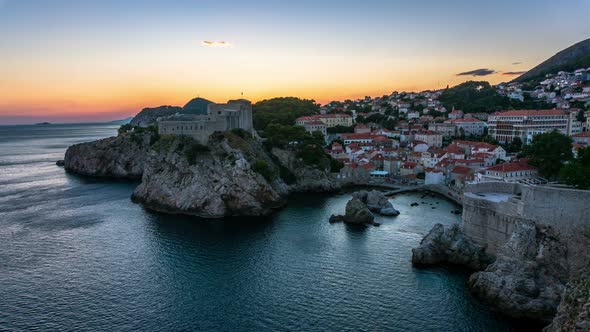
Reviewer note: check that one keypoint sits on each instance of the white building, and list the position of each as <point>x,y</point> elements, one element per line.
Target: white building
<point>505,126</point>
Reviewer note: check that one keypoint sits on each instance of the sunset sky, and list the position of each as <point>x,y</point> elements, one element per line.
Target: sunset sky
<point>74,61</point>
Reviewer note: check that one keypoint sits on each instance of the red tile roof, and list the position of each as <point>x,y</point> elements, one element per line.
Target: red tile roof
<point>409,165</point>
<point>463,170</point>
<point>529,113</point>
<point>368,166</point>
<point>463,120</point>
<point>357,136</point>
<point>512,167</point>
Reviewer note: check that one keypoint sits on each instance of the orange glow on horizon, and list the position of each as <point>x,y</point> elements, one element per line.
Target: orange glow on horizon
<point>114,100</point>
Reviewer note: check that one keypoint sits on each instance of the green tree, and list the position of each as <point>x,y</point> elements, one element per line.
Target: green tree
<point>340,129</point>
<point>282,111</point>
<point>581,116</point>
<point>577,172</point>
<point>549,152</point>
<point>515,145</point>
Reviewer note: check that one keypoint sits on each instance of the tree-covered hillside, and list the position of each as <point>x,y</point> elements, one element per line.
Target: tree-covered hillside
<point>283,111</point>
<point>474,97</point>
<point>480,96</point>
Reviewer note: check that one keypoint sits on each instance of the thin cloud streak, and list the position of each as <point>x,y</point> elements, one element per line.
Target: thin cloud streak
<point>513,73</point>
<point>477,72</point>
<point>517,63</point>
<point>219,44</point>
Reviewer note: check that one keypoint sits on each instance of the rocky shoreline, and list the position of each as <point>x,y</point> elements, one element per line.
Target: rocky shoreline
<point>231,176</point>
<point>530,278</point>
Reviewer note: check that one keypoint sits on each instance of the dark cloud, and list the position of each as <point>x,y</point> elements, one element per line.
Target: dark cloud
<point>517,63</point>
<point>477,72</point>
<point>513,73</point>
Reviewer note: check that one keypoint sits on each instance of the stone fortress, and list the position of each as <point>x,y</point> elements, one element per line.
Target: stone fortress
<point>492,210</point>
<point>220,117</point>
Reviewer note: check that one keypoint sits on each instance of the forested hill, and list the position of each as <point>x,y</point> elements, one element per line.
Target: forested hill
<point>480,96</point>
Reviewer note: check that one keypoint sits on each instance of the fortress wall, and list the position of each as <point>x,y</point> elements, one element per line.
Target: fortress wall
<point>565,209</point>
<point>490,223</point>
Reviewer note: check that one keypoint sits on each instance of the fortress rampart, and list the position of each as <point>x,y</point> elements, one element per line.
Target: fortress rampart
<point>492,209</point>
<point>219,117</point>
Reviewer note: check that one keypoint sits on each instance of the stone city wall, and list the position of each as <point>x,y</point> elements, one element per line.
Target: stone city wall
<point>490,222</point>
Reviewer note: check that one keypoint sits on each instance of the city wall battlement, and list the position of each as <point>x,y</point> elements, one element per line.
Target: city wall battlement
<point>491,210</point>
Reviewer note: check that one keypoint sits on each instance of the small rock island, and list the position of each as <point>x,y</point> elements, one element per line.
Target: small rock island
<point>358,209</point>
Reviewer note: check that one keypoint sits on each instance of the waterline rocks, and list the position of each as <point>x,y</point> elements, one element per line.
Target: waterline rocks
<point>376,202</point>
<point>232,176</point>
<point>449,246</point>
<point>123,156</point>
<point>529,275</point>
<point>356,212</point>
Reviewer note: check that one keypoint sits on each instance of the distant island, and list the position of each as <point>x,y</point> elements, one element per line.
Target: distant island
<point>43,123</point>
<point>122,121</point>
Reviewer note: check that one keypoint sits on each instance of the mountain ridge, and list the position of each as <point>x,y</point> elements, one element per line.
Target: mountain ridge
<point>569,59</point>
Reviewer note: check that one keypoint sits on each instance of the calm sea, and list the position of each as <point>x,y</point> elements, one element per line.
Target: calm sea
<point>76,254</point>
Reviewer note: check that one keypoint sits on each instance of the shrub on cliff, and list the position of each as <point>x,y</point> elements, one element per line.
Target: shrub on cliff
<point>262,168</point>
<point>193,150</point>
<point>241,132</point>
<point>124,128</point>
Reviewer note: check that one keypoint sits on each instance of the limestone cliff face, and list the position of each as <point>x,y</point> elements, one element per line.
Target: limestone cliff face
<point>529,275</point>
<point>233,175</point>
<point>148,116</point>
<point>306,178</point>
<point>449,246</point>
<point>123,156</point>
<point>573,313</point>
<point>216,182</point>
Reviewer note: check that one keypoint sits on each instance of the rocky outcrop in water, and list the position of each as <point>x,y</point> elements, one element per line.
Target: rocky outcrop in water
<point>449,246</point>
<point>356,212</point>
<point>529,275</point>
<point>148,116</point>
<point>232,176</point>
<point>122,156</point>
<point>376,202</point>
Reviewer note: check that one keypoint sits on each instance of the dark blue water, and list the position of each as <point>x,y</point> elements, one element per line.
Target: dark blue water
<point>76,254</point>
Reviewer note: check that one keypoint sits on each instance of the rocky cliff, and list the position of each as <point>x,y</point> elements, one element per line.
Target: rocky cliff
<point>304,178</point>
<point>449,246</point>
<point>123,156</point>
<point>573,313</point>
<point>233,175</point>
<point>529,274</point>
<point>148,116</point>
